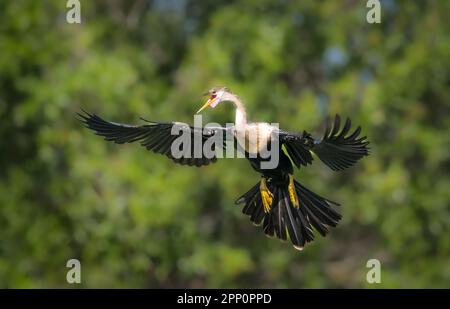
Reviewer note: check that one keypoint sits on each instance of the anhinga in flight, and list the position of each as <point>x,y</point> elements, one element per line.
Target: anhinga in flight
<point>285,207</point>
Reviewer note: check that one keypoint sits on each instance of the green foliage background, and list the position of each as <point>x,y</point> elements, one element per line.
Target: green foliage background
<point>134,219</point>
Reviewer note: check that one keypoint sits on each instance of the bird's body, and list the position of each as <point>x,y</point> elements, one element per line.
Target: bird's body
<point>285,207</point>
<point>254,137</point>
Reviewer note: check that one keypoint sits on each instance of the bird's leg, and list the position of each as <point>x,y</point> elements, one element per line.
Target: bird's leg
<point>292,194</point>
<point>266,195</point>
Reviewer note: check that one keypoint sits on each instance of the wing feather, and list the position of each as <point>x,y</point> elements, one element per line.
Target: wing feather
<point>337,149</point>
<point>154,136</point>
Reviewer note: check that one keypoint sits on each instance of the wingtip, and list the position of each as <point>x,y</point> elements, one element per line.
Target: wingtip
<point>81,118</point>
<point>86,112</point>
<point>146,120</point>
<point>239,201</point>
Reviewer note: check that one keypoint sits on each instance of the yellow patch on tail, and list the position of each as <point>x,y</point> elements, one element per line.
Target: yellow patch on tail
<point>292,193</point>
<point>266,195</point>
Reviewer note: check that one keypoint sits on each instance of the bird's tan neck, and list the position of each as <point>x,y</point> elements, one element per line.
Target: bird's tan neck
<point>241,118</point>
<point>241,115</point>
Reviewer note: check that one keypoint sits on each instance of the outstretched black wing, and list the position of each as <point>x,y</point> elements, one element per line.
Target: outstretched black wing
<point>158,137</point>
<point>337,149</point>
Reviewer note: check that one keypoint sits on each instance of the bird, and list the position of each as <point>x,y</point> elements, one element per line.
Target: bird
<point>284,207</point>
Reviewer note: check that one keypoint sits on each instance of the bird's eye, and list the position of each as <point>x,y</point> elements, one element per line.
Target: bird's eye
<point>214,95</point>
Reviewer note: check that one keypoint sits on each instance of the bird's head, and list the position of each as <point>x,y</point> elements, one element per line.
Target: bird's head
<point>215,96</point>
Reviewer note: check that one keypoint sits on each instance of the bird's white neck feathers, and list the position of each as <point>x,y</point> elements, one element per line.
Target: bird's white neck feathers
<point>241,115</point>
<point>252,137</point>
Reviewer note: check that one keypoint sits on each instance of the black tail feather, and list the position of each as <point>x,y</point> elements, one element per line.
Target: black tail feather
<point>293,226</point>
<point>279,215</point>
<point>284,220</point>
<point>268,226</point>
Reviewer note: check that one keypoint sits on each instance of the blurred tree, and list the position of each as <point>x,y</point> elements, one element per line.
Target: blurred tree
<point>135,220</point>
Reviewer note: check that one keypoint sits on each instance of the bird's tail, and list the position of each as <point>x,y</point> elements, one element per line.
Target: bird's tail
<point>289,210</point>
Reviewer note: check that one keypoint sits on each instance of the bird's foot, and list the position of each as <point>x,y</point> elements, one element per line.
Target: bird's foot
<point>292,193</point>
<point>266,195</point>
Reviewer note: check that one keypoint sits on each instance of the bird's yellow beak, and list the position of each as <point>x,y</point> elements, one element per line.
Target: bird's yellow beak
<point>207,104</point>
